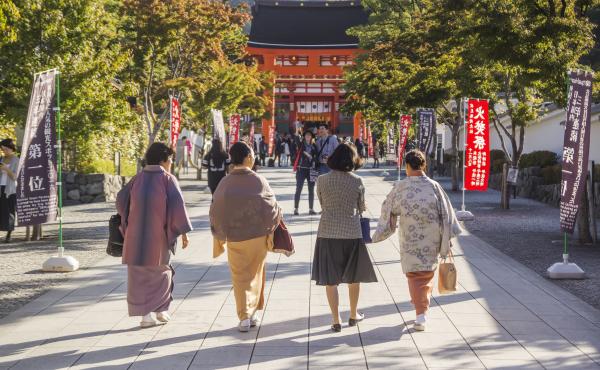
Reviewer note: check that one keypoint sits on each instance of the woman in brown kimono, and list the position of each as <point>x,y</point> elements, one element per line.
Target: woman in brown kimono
<point>243,216</point>
<point>153,216</point>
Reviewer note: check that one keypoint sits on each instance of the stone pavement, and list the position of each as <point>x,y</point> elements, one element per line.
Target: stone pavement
<point>503,316</point>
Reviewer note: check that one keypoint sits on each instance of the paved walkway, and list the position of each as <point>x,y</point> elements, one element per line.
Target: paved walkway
<point>504,315</point>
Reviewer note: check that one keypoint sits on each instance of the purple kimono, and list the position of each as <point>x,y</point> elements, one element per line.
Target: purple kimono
<point>153,215</point>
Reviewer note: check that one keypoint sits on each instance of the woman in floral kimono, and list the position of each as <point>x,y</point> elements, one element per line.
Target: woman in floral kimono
<point>427,223</point>
<point>153,216</point>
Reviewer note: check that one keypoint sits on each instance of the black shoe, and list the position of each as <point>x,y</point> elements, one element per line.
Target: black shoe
<point>353,322</point>
<point>296,212</point>
<point>312,213</point>
<point>336,328</point>
<point>7,239</point>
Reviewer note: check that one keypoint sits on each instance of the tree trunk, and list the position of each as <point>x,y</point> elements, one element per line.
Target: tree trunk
<point>583,219</point>
<point>504,196</point>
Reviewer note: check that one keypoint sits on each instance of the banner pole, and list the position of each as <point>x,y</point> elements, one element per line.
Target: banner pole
<point>463,214</point>
<point>464,166</point>
<point>61,248</point>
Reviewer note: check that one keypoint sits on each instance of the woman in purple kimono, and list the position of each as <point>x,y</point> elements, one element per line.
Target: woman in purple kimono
<point>153,216</point>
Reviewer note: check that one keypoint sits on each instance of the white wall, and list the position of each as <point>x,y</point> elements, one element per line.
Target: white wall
<point>545,134</point>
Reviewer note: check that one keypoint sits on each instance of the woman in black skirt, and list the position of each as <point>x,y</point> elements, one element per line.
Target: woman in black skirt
<point>341,255</point>
<point>8,186</point>
<point>217,163</point>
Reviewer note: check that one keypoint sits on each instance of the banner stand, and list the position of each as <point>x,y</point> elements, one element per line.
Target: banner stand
<point>566,269</point>
<point>463,214</point>
<point>60,263</point>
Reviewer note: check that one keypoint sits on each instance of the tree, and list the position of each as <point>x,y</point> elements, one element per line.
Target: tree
<point>9,14</point>
<point>80,38</point>
<point>194,49</point>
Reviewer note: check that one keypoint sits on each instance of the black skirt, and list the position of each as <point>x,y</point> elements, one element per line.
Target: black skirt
<point>8,207</point>
<point>339,261</point>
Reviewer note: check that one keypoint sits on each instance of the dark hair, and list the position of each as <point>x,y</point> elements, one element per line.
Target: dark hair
<point>415,159</point>
<point>308,133</point>
<point>238,152</point>
<point>157,153</point>
<point>217,151</point>
<point>323,125</point>
<point>9,143</point>
<point>344,158</point>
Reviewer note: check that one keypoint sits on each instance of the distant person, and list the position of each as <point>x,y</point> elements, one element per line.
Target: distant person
<point>278,149</point>
<point>242,216</point>
<point>341,255</point>
<point>217,162</point>
<point>153,216</point>
<point>360,147</point>
<point>263,149</point>
<point>427,222</point>
<point>180,156</point>
<point>304,163</point>
<point>187,156</point>
<point>9,165</point>
<point>375,155</point>
<point>286,152</point>
<point>326,144</point>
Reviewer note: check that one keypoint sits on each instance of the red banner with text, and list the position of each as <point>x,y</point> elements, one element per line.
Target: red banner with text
<point>234,129</point>
<point>477,148</point>
<point>175,120</point>
<point>405,123</point>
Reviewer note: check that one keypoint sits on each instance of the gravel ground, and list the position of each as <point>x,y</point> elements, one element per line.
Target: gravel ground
<point>85,233</point>
<point>529,232</point>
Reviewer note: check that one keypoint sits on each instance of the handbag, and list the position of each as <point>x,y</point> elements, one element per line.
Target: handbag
<point>115,237</point>
<point>282,240</point>
<point>365,226</point>
<point>447,275</point>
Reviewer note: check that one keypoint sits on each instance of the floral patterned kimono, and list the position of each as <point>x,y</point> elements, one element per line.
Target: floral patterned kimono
<point>426,224</point>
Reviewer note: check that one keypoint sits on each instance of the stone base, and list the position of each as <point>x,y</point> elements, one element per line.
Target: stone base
<point>565,270</point>
<point>60,264</point>
<point>464,216</point>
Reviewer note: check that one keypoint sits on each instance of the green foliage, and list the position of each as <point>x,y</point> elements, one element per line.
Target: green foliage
<point>79,37</point>
<point>540,158</point>
<point>552,174</point>
<point>9,15</point>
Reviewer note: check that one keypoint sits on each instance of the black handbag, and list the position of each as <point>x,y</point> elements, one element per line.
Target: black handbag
<point>115,237</point>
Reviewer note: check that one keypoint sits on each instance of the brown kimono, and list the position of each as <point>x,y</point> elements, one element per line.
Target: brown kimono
<point>243,215</point>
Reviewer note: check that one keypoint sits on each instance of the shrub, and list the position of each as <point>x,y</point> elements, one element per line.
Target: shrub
<point>497,160</point>
<point>552,174</point>
<point>540,158</point>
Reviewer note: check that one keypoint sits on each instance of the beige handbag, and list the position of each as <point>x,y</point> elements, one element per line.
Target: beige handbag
<point>447,275</point>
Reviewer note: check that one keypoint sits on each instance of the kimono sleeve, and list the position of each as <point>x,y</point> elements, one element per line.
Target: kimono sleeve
<point>178,222</point>
<point>387,223</point>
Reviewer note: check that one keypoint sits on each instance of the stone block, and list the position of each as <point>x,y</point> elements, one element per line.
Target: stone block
<point>95,177</point>
<point>74,194</point>
<point>82,189</point>
<point>86,198</point>
<point>70,177</point>
<point>100,198</point>
<point>80,179</point>
<point>95,188</point>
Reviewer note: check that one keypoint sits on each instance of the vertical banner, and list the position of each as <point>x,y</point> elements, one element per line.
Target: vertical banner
<point>234,129</point>
<point>426,129</point>
<point>576,147</point>
<point>218,126</point>
<point>405,122</point>
<point>37,198</point>
<point>175,120</point>
<point>477,148</point>
<point>271,140</point>
<point>370,140</point>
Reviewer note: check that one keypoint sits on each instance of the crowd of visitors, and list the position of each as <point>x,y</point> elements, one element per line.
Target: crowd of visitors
<point>245,216</point>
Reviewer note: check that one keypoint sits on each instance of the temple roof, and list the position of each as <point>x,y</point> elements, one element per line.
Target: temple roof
<point>305,24</point>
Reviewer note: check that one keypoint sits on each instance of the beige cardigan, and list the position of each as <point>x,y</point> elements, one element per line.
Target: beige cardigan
<point>244,207</point>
